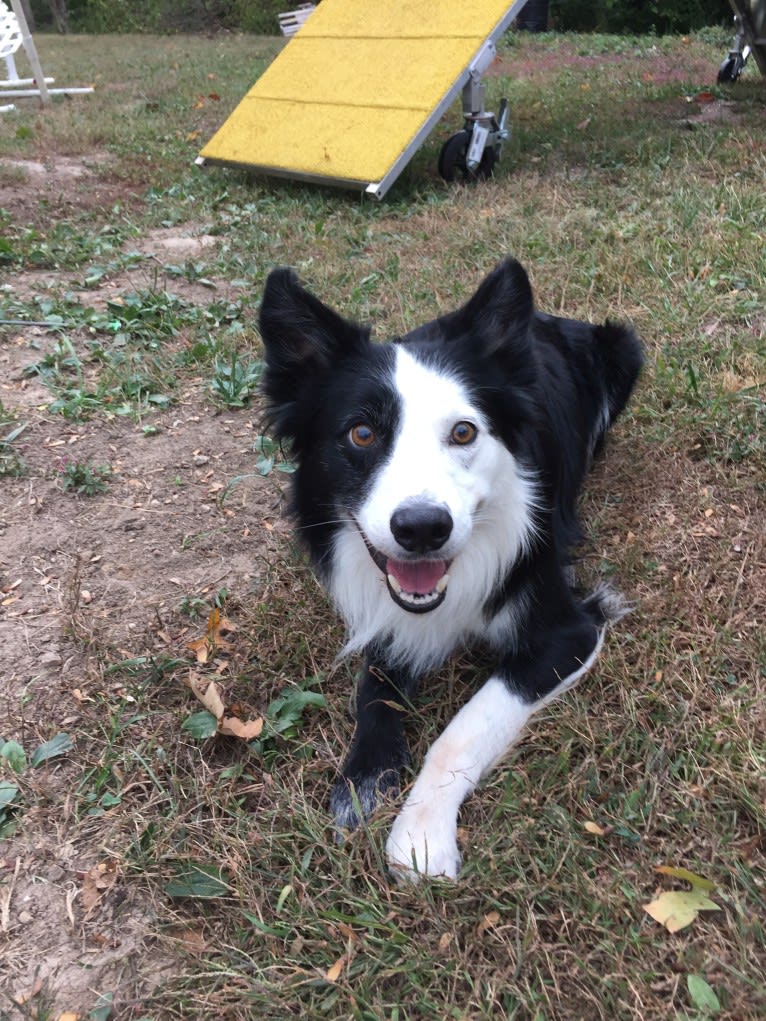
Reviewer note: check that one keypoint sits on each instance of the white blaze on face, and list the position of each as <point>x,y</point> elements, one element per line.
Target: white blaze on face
<point>425,464</point>
<point>490,498</point>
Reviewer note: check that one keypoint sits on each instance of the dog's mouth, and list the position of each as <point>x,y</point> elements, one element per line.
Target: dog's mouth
<point>418,586</point>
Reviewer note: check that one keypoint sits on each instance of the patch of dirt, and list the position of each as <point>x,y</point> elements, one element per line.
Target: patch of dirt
<point>65,183</point>
<point>78,954</point>
<point>84,579</point>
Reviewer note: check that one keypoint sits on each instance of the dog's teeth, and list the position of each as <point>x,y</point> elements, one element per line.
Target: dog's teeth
<point>442,583</point>
<point>394,584</point>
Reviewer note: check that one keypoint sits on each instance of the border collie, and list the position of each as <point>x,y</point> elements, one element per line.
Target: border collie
<point>435,487</point>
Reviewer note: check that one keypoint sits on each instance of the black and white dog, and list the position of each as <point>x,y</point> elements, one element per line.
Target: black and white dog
<point>436,487</point>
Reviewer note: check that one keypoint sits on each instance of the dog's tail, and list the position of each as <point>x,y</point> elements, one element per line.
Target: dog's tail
<point>605,605</point>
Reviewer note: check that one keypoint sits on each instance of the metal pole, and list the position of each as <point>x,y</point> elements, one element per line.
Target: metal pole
<point>31,52</point>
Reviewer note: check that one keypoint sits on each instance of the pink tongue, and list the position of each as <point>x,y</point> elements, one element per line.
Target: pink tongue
<point>418,577</point>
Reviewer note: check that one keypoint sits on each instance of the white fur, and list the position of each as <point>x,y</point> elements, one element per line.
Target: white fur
<point>423,839</point>
<point>489,495</point>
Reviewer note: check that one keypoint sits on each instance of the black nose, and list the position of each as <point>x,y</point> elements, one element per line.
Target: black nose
<point>421,527</point>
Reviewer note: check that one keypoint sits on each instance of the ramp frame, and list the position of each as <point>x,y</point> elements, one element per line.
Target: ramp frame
<point>488,132</point>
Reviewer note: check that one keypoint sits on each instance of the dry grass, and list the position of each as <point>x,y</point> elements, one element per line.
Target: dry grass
<point>622,201</point>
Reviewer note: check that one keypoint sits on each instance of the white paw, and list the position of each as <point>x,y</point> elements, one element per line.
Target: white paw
<point>422,843</point>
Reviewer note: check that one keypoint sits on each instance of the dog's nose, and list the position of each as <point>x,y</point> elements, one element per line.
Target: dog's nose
<point>421,527</point>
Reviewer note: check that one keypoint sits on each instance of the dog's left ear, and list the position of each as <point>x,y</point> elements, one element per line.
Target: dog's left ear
<point>499,314</point>
<point>303,338</point>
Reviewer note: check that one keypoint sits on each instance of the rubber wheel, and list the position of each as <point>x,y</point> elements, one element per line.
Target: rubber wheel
<point>729,71</point>
<point>452,165</point>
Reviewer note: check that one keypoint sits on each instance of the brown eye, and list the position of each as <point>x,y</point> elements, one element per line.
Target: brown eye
<point>463,433</point>
<point>362,435</point>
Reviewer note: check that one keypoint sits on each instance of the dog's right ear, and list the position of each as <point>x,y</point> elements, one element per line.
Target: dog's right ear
<point>303,338</point>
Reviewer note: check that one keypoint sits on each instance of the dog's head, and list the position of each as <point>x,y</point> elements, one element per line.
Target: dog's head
<point>408,450</point>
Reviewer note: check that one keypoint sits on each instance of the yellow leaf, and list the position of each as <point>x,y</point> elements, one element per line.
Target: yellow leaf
<point>675,909</point>
<point>333,973</point>
<point>698,882</point>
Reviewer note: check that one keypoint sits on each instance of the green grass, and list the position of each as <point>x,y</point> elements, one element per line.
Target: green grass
<point>622,202</point>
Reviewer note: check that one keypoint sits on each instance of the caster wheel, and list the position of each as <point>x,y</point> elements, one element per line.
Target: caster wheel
<point>452,160</point>
<point>730,70</point>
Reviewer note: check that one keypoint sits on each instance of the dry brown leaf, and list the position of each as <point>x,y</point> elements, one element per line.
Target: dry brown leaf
<point>248,730</point>
<point>489,921</point>
<point>96,882</point>
<point>68,1015</point>
<point>213,638</point>
<point>333,973</point>
<point>208,693</point>
<point>201,649</point>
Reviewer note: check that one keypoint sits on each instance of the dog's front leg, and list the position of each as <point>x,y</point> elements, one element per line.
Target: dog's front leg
<point>423,839</point>
<point>378,752</point>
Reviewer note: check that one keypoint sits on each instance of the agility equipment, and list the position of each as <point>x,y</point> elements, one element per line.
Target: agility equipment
<point>14,34</point>
<point>750,22</point>
<point>360,85</point>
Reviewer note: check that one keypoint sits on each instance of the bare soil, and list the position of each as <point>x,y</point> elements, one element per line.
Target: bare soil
<point>87,579</point>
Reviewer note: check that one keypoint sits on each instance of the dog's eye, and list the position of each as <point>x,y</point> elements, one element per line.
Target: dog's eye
<point>362,435</point>
<point>463,433</point>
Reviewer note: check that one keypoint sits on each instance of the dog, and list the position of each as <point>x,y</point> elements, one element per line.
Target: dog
<point>435,487</point>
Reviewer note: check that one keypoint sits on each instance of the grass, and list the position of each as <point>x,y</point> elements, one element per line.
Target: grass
<point>623,200</point>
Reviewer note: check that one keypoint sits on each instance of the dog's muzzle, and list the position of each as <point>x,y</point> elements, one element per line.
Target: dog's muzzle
<point>418,582</point>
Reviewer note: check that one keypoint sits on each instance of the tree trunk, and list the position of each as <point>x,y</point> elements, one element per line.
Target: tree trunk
<point>60,15</point>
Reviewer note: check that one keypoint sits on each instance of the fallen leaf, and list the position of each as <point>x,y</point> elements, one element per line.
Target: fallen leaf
<point>96,882</point>
<point>593,827</point>
<point>333,973</point>
<point>201,649</point>
<point>697,882</point>
<point>68,1015</point>
<point>702,995</point>
<point>489,921</point>
<point>675,909</point>
<point>208,693</point>
<point>213,638</point>
<point>231,726</point>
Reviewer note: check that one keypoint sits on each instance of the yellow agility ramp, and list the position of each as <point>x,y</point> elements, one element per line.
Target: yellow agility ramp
<point>357,89</point>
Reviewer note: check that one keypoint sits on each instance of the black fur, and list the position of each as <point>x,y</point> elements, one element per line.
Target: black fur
<point>550,387</point>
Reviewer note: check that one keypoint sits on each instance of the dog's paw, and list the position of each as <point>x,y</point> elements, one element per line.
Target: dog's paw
<point>423,842</point>
<point>355,798</point>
